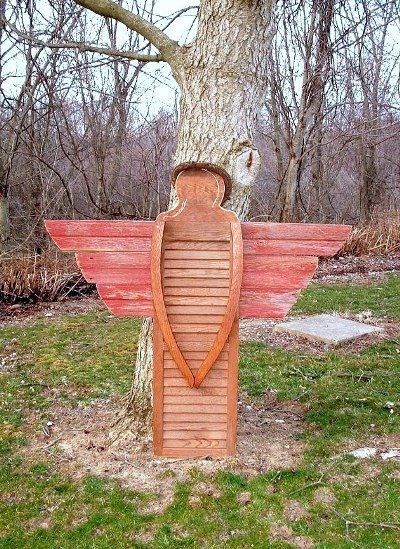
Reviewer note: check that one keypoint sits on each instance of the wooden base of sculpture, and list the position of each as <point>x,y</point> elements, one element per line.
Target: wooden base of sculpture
<point>189,421</point>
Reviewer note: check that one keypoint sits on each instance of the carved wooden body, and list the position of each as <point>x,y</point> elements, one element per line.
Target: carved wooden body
<point>196,269</point>
<point>196,272</point>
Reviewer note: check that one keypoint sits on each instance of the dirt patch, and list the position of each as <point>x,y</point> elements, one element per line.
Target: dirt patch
<point>262,331</point>
<point>82,442</point>
<point>294,510</point>
<point>43,523</point>
<point>357,270</point>
<point>284,533</point>
<point>324,496</point>
<point>382,445</point>
<point>25,314</point>
<point>386,450</point>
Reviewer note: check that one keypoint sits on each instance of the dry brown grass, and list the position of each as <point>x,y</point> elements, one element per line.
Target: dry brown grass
<point>46,277</point>
<point>381,236</point>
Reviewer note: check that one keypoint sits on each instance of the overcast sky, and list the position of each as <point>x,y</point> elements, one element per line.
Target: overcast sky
<point>164,93</point>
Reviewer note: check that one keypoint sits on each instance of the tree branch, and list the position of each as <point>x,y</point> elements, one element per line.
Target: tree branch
<point>81,46</point>
<point>348,522</point>
<point>167,47</point>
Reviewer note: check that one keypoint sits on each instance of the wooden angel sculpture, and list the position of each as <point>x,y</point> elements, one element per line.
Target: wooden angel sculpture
<point>197,270</point>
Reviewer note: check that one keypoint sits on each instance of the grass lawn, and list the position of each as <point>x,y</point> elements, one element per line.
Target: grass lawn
<point>88,356</point>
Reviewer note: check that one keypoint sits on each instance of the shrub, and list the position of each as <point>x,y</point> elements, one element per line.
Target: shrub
<point>44,277</point>
<point>380,236</point>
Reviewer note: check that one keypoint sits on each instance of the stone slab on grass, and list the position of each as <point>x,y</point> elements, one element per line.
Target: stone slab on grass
<point>327,328</point>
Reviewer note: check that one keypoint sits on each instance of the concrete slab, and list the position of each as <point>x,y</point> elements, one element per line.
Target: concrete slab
<point>327,328</point>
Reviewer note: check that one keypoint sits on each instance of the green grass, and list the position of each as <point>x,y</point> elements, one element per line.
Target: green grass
<point>87,356</point>
<point>92,352</point>
<point>382,299</point>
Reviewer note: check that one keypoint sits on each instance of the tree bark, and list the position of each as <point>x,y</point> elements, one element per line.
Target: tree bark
<point>293,173</point>
<point>318,183</point>
<point>4,221</point>
<point>222,77</point>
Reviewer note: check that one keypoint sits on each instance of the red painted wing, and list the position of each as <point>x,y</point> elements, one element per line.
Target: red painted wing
<point>279,259</point>
<point>115,255</point>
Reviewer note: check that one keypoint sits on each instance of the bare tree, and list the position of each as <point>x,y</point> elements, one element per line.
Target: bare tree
<point>296,110</point>
<point>374,66</point>
<point>21,110</point>
<point>67,118</point>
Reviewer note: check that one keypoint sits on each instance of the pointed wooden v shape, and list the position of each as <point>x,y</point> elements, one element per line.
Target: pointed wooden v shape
<point>236,266</point>
<point>159,305</point>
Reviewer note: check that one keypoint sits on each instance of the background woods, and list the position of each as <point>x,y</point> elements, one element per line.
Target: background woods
<point>89,135</point>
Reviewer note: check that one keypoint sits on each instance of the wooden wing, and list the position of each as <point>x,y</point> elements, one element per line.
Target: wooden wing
<point>279,259</point>
<point>115,255</point>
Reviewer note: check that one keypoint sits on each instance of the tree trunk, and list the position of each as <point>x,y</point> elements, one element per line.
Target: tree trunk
<point>317,57</point>
<point>320,190</point>
<point>4,221</point>
<point>369,184</point>
<point>222,77</point>
<point>278,140</point>
<point>293,171</point>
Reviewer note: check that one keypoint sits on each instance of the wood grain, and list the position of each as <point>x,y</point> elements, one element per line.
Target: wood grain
<point>210,381</point>
<point>200,288</point>
<point>195,364</point>
<point>320,248</point>
<point>158,392</point>
<point>192,452</point>
<point>197,230</point>
<point>294,231</point>
<point>192,355</point>
<point>196,254</point>
<point>194,246</point>
<point>193,346</point>
<point>195,291</point>
<point>108,229</point>
<point>102,244</point>
<point>213,375</point>
<point>96,260</point>
<point>232,387</point>
<point>236,270</point>
<point>188,426</point>
<point>159,305</point>
<point>200,399</point>
<point>195,418</point>
<point>204,444</point>
<point>199,282</point>
<point>188,392</point>
<point>129,308</point>
<point>118,276</point>
<point>204,434</point>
